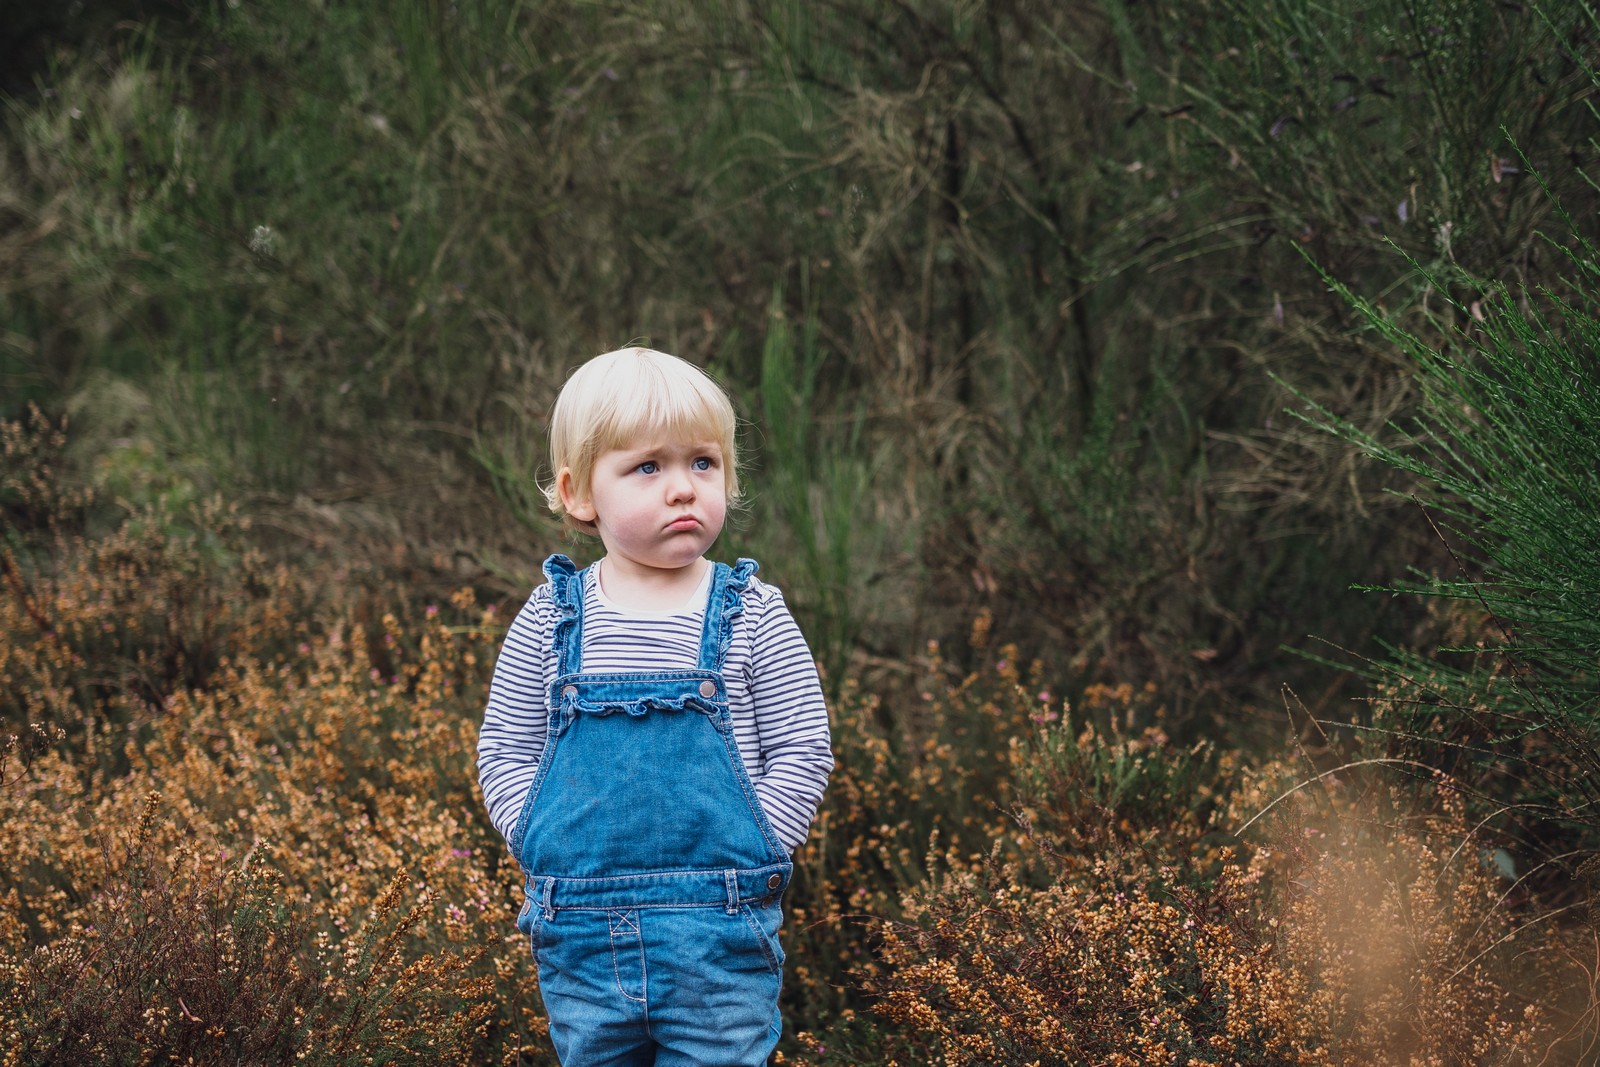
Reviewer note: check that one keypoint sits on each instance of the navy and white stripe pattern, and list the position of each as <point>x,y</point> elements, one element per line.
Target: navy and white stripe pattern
<point>779,718</point>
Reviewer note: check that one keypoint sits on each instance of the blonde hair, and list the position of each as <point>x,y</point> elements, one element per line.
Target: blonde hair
<point>620,398</point>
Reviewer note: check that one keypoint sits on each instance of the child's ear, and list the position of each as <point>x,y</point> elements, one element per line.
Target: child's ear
<point>580,508</point>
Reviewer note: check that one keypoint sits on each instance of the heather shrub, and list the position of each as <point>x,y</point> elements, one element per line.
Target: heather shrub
<point>284,854</point>
<point>1120,930</point>
<point>1107,776</point>
<point>1101,969</point>
<point>316,843</point>
<point>112,602</point>
<point>1397,954</point>
<point>1061,807</point>
<point>272,855</point>
<point>923,779</point>
<point>1365,926</point>
<point>1418,947</point>
<point>206,960</point>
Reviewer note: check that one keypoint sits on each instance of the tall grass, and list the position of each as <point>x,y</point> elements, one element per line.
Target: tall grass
<point>328,229</point>
<point>348,244</point>
<point>819,500</point>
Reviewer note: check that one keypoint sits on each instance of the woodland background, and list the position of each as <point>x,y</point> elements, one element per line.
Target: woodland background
<point>1175,427</point>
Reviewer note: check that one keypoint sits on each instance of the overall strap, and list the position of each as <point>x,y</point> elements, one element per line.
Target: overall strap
<point>723,604</point>
<point>566,583</point>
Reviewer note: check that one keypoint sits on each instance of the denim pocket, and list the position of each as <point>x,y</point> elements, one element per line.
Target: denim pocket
<point>530,920</point>
<point>763,924</point>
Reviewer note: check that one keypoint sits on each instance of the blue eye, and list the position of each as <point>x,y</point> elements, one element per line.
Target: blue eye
<point>648,467</point>
<point>702,464</point>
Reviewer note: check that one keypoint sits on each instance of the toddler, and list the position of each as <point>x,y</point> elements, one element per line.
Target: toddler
<point>655,743</point>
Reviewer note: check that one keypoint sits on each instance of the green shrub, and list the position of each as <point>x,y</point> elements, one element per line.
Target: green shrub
<point>1505,448</point>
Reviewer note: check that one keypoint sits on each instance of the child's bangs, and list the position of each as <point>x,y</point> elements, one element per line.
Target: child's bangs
<point>665,410</point>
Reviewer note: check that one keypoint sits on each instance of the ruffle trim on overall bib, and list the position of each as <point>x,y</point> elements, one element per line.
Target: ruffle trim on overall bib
<point>566,582</point>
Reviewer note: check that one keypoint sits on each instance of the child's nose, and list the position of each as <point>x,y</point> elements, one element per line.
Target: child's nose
<point>680,486</point>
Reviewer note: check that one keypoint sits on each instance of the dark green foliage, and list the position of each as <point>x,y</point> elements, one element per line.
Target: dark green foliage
<point>1506,446</point>
<point>1040,258</point>
<point>1509,437</point>
<point>1043,257</point>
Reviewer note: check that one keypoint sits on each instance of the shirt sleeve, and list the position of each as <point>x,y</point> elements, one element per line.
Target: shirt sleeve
<point>516,720</point>
<point>791,720</point>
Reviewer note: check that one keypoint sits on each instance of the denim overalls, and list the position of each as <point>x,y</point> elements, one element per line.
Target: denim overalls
<point>654,880</point>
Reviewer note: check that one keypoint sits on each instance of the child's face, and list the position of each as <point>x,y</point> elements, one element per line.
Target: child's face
<point>656,505</point>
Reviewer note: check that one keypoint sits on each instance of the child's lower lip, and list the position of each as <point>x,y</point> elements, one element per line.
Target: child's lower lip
<point>683,524</point>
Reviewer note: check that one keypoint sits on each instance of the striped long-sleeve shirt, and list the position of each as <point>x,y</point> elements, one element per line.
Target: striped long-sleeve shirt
<point>779,719</point>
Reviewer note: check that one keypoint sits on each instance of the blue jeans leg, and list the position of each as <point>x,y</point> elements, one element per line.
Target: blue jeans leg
<point>664,986</point>
<point>594,984</point>
<point>715,980</point>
